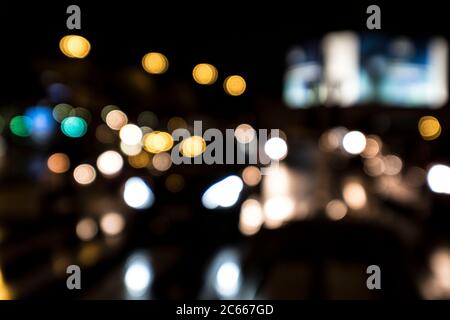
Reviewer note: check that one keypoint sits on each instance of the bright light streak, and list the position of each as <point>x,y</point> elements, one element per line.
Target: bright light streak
<point>251,217</point>
<point>5,292</point>
<point>354,195</point>
<point>277,191</point>
<point>224,193</point>
<point>138,275</point>
<point>437,72</point>
<point>278,209</point>
<point>341,60</point>
<point>227,283</point>
<point>440,266</point>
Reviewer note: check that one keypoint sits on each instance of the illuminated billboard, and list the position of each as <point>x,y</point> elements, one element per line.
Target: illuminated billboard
<point>346,69</point>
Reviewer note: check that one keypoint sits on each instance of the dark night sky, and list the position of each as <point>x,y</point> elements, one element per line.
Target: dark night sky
<point>241,37</point>
<point>249,38</point>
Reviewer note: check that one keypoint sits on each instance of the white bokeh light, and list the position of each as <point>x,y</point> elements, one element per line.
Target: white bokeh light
<point>224,193</point>
<point>112,223</point>
<point>354,142</point>
<point>138,275</point>
<point>130,134</point>
<point>227,279</point>
<point>276,148</point>
<point>131,149</point>
<point>137,194</point>
<point>109,163</point>
<point>438,178</point>
<point>279,208</point>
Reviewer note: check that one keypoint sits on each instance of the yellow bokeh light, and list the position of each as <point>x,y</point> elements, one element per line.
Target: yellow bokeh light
<point>205,73</point>
<point>158,141</point>
<point>5,292</point>
<point>140,160</point>
<point>429,128</point>
<point>59,262</point>
<point>155,63</point>
<point>90,253</point>
<point>58,163</point>
<point>193,146</point>
<point>75,46</point>
<point>234,85</point>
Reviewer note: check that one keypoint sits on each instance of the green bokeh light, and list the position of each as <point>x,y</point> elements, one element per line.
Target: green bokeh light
<point>74,127</point>
<point>21,126</point>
